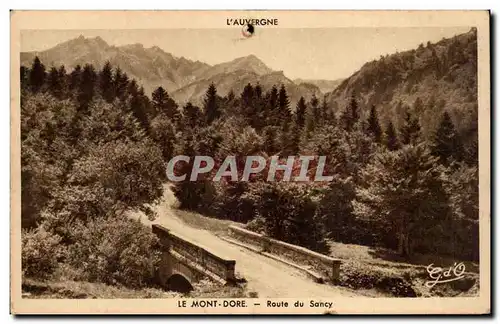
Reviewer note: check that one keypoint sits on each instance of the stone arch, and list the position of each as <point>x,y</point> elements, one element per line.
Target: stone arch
<point>179,283</point>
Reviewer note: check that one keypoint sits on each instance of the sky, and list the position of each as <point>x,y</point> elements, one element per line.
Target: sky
<point>308,53</point>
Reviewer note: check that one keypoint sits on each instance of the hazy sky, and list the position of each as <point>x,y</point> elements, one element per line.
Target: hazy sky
<point>300,53</point>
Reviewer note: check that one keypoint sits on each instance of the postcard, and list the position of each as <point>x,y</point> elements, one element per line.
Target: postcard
<point>250,162</point>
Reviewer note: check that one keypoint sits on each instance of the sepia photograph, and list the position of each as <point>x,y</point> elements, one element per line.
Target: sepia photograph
<point>237,164</point>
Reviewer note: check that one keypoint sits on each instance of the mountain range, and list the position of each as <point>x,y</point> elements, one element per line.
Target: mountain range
<point>426,80</point>
<point>185,80</point>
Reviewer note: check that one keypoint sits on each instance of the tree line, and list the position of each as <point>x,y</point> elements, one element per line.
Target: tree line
<point>95,146</point>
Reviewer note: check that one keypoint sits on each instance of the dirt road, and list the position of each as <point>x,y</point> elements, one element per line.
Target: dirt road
<point>267,277</point>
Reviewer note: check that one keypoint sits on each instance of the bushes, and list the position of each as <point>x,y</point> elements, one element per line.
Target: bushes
<point>114,251</point>
<point>336,210</point>
<point>288,211</point>
<point>40,253</point>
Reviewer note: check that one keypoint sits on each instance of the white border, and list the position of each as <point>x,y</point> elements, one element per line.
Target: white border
<point>214,4</point>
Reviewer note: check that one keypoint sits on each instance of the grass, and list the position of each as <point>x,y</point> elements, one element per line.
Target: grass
<point>209,289</point>
<point>69,289</point>
<point>382,272</point>
<point>55,289</point>
<point>387,257</point>
<point>195,220</point>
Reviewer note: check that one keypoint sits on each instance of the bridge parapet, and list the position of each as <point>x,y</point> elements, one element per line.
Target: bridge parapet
<point>327,266</point>
<point>194,255</point>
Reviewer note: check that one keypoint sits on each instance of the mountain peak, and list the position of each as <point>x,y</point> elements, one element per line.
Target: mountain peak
<point>99,41</point>
<point>156,49</point>
<point>252,57</point>
<point>137,46</point>
<point>250,63</point>
<point>248,58</point>
<point>83,41</point>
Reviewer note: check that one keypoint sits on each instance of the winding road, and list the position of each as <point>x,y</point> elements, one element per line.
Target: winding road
<point>267,277</point>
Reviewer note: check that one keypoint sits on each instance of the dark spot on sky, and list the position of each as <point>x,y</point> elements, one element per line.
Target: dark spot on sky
<point>251,29</point>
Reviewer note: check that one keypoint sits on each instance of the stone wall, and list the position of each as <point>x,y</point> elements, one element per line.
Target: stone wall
<point>324,265</point>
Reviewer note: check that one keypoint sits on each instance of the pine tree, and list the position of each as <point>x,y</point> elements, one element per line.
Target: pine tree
<point>247,95</point>
<point>258,91</point>
<point>410,130</point>
<point>133,88</point>
<point>37,75</point>
<point>446,144</point>
<point>259,117</point>
<point>63,79</point>
<point>87,85</point>
<point>270,135</point>
<point>211,104</point>
<point>162,103</point>
<point>300,114</point>
<point>24,72</point>
<point>350,116</point>
<point>192,116</point>
<point>373,128</point>
<point>141,108</point>
<point>120,84</point>
<point>159,98</point>
<point>55,83</point>
<point>273,106</point>
<point>329,114</point>
<point>106,87</point>
<point>284,104</point>
<point>313,115</point>
<point>75,77</point>
<point>230,96</point>
<point>286,125</point>
<point>296,129</point>
<point>274,98</point>
<point>247,103</point>
<point>391,139</point>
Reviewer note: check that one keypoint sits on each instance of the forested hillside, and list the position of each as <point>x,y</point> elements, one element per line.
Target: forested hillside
<point>431,79</point>
<point>95,145</point>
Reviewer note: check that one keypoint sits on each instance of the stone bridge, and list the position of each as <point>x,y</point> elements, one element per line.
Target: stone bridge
<point>184,262</point>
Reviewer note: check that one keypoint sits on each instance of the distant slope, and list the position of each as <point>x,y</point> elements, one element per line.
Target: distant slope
<point>248,63</point>
<point>442,75</point>
<point>151,66</point>
<point>323,85</point>
<point>237,80</point>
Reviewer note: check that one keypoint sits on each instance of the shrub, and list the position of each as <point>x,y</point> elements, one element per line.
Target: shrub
<point>288,211</point>
<point>114,251</point>
<point>114,177</point>
<point>40,253</point>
